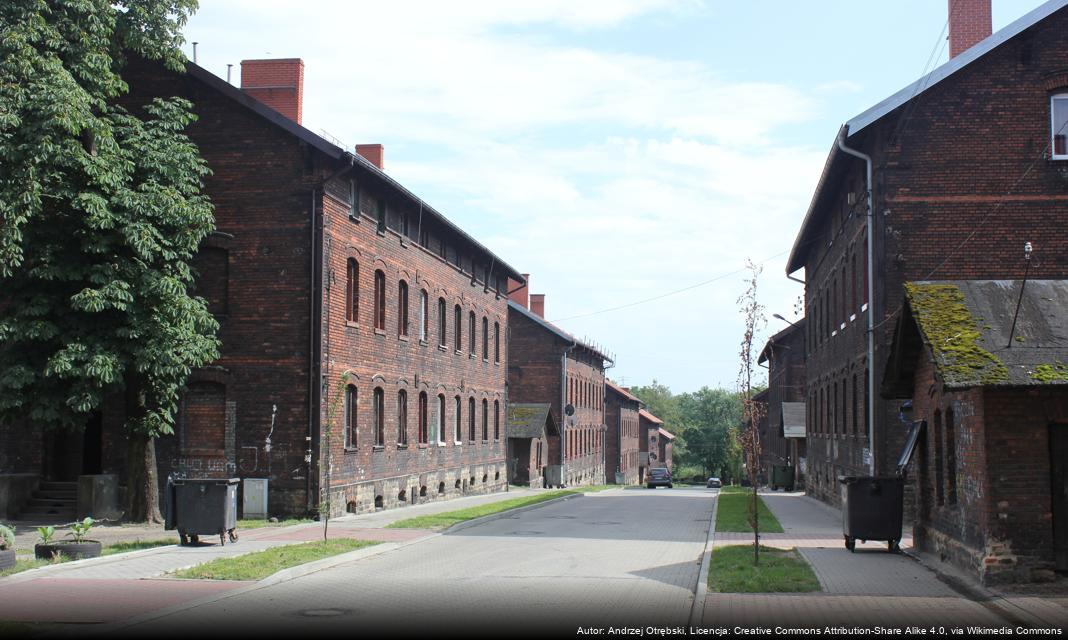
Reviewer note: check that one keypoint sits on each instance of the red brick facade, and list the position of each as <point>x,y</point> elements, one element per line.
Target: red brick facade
<point>621,435</point>
<point>784,355</point>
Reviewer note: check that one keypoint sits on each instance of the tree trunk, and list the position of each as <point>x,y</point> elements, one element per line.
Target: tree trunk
<point>142,480</point>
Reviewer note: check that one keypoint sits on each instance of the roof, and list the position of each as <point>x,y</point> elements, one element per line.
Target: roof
<point>762,395</point>
<point>837,159</point>
<point>965,326</point>
<point>526,420</point>
<point>778,338</point>
<point>665,433</point>
<point>552,328</point>
<point>335,152</point>
<point>621,391</point>
<point>650,417</point>
<point>793,419</point>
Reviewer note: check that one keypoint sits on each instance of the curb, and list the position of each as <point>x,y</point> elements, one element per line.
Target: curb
<point>697,609</point>
<point>40,572</point>
<point>467,524</point>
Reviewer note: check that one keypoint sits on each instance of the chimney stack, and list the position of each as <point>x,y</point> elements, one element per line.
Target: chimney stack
<point>537,304</point>
<point>374,153</point>
<point>969,22</point>
<point>279,84</point>
<point>519,292</point>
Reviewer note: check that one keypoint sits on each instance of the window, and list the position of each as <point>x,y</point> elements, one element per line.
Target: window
<point>855,423</point>
<point>352,291</point>
<point>496,420</point>
<point>402,309</point>
<point>940,491</point>
<point>351,406</point>
<point>485,338</point>
<point>471,335</point>
<point>496,341</point>
<point>471,419</point>
<point>378,406</point>
<point>423,415</point>
<point>459,434</point>
<point>458,319</point>
<point>1059,113</point>
<point>424,312</point>
<point>951,459</point>
<point>380,300</point>
<point>402,417</point>
<point>485,420</point>
<point>380,211</point>
<point>441,419</point>
<point>354,201</point>
<point>441,322</point>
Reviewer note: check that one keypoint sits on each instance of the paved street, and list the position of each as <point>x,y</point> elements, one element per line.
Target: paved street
<point>613,558</point>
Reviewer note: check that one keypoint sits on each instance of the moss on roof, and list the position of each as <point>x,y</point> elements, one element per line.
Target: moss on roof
<point>953,335</point>
<point>1056,372</point>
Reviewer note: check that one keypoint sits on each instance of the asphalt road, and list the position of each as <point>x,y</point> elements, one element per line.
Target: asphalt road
<point>619,558</point>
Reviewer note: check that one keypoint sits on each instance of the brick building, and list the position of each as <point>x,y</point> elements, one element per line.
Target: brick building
<point>654,444</point>
<point>361,330</point>
<point>528,429</point>
<point>621,439</point>
<point>990,469</point>
<point>548,365</point>
<point>938,204</point>
<point>782,443</point>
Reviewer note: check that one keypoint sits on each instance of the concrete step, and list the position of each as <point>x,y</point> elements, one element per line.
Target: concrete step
<point>58,486</point>
<point>51,502</point>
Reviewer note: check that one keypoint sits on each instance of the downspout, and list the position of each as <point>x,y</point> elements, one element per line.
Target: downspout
<point>619,433</point>
<point>871,294</point>
<point>313,372</point>
<point>563,416</point>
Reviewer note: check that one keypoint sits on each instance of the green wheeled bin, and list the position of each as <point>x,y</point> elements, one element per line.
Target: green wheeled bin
<point>782,477</point>
<point>205,506</point>
<point>871,509</point>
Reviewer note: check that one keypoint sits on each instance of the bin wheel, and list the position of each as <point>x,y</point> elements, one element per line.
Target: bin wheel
<point>893,546</point>
<point>851,544</point>
<point>183,539</point>
<point>233,535</point>
<point>222,539</point>
<point>194,538</point>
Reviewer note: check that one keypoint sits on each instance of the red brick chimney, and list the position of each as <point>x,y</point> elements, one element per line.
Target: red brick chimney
<point>279,84</point>
<point>519,291</point>
<point>374,153</point>
<point>969,22</point>
<point>537,304</point>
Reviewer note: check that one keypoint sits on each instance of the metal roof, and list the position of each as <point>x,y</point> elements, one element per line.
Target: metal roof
<point>512,304</point>
<point>529,420</point>
<point>621,391</point>
<point>335,152</point>
<point>667,434</point>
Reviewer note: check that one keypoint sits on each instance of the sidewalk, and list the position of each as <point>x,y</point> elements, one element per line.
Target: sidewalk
<point>870,587</point>
<point>117,587</point>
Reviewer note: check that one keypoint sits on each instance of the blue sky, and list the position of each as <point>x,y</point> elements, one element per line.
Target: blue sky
<point>616,150</point>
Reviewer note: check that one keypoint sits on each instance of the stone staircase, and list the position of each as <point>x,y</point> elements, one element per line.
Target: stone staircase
<point>52,502</point>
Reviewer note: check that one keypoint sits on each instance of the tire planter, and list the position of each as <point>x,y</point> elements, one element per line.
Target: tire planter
<point>7,558</point>
<point>68,548</point>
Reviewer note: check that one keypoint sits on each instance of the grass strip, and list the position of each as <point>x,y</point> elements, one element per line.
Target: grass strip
<point>259,523</point>
<point>259,565</point>
<point>779,571</point>
<point>25,565</point>
<point>136,545</point>
<point>732,514</point>
<point>449,518</point>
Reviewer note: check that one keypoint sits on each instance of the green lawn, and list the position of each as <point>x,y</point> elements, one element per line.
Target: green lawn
<point>136,545</point>
<point>779,571</point>
<point>732,514</point>
<point>25,565</point>
<point>449,518</point>
<point>259,565</point>
<point>260,523</point>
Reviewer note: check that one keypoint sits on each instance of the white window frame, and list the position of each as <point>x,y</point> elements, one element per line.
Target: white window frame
<point>1053,126</point>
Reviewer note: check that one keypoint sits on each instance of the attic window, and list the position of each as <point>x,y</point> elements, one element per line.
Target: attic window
<point>1059,112</point>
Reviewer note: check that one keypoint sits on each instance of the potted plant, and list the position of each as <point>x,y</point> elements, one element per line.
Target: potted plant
<point>7,547</point>
<point>78,548</point>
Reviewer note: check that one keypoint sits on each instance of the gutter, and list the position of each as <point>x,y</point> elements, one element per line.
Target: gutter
<point>871,292</point>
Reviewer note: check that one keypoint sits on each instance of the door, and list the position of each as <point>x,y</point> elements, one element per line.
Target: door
<point>93,445</point>
<point>1058,472</point>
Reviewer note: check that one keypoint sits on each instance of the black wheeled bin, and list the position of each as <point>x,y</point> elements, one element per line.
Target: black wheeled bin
<point>871,509</point>
<point>782,477</point>
<point>205,506</point>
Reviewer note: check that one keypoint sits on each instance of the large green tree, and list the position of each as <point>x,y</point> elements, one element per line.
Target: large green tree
<point>709,414</point>
<point>102,212</point>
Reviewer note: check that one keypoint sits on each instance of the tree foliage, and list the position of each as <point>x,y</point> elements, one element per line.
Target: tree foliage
<point>102,213</point>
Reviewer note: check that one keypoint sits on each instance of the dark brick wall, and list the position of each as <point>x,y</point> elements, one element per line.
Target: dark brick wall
<point>621,437</point>
<point>962,178</point>
<point>786,383</point>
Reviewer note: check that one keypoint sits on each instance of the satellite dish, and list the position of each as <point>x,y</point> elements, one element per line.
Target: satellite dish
<point>569,410</point>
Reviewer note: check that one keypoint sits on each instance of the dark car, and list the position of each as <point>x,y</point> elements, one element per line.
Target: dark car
<point>658,477</point>
<point>714,483</point>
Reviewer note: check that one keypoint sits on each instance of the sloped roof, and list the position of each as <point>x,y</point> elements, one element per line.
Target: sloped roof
<point>650,417</point>
<point>781,336</point>
<point>552,328</point>
<point>528,420</point>
<point>965,326</point>
<point>837,160</point>
<point>621,391</point>
<point>337,153</point>
<point>667,434</point>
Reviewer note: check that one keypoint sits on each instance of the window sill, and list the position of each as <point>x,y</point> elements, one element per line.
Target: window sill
<point>402,338</point>
<point>486,360</point>
<point>458,443</point>
<point>350,323</point>
<point>441,444</point>
<point>381,232</point>
<point>473,356</point>
<point>422,342</point>
<point>442,348</point>
<point>380,332</point>
<point>864,307</point>
<point>402,447</point>
<point>354,217</point>
<point>378,447</point>
<point>853,317</point>
<point>459,352</point>
<point>352,449</point>
<point>423,445</point>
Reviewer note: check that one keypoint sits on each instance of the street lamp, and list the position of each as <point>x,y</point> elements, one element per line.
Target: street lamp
<point>775,315</point>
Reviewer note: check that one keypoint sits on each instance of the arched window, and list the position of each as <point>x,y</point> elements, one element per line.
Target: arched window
<point>485,420</point>
<point>352,292</point>
<point>441,419</point>
<point>402,309</point>
<point>458,319</point>
<point>471,419</point>
<point>351,406</point>
<point>424,315</point>
<point>496,341</point>
<point>380,300</point>
<point>496,420</point>
<point>402,417</point>
<point>441,322</point>
<point>471,335</point>
<point>379,409</point>
<point>459,420</point>
<point>423,418</point>
<point>485,338</point>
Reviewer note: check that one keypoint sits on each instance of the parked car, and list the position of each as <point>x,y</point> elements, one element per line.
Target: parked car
<point>713,483</point>
<point>658,477</point>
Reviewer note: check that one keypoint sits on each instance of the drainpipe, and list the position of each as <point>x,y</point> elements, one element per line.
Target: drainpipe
<point>563,416</point>
<point>871,294</point>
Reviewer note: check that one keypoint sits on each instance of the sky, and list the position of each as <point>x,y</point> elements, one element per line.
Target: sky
<point>631,155</point>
